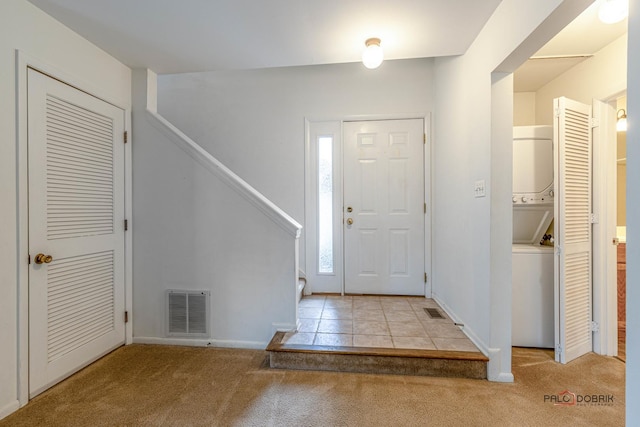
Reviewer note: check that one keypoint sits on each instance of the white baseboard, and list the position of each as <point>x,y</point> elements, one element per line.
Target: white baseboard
<point>9,408</point>
<point>503,377</point>
<point>191,342</point>
<point>494,366</point>
<point>466,329</point>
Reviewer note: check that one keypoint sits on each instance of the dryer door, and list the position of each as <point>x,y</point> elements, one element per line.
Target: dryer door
<point>530,222</point>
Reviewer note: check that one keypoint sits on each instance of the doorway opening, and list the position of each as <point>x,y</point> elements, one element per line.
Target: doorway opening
<point>572,65</point>
<point>74,192</point>
<point>621,225</point>
<point>367,210</point>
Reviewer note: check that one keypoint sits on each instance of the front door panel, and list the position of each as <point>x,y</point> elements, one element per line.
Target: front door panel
<point>384,207</point>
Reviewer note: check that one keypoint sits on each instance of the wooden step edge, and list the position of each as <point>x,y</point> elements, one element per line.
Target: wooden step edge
<point>276,346</point>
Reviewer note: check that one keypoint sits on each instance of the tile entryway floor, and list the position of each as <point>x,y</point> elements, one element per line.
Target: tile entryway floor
<point>372,321</point>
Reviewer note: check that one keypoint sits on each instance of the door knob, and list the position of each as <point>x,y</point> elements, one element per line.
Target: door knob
<point>349,221</point>
<point>42,258</point>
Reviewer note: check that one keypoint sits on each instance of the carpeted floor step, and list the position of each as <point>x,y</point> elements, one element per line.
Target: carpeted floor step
<point>453,364</point>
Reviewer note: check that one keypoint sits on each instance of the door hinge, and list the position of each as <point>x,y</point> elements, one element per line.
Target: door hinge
<point>29,258</point>
<point>558,349</point>
<point>424,138</point>
<point>126,317</point>
<point>593,218</point>
<point>425,208</point>
<point>595,122</point>
<point>426,277</point>
<point>595,327</point>
<point>126,136</point>
<point>556,112</point>
<point>126,224</point>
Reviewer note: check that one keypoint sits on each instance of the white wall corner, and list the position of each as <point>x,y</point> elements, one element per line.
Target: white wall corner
<point>495,371</point>
<point>500,305</point>
<point>633,223</point>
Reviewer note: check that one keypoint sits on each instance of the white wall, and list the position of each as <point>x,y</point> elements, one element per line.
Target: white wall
<point>524,108</point>
<point>24,27</point>
<point>601,76</point>
<point>253,121</point>
<point>191,231</point>
<point>472,235</point>
<point>633,219</point>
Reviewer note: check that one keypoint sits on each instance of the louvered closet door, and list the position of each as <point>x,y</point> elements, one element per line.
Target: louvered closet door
<point>573,279</point>
<point>76,214</point>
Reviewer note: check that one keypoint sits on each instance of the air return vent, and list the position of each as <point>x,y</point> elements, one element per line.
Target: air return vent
<point>187,313</point>
<point>434,313</point>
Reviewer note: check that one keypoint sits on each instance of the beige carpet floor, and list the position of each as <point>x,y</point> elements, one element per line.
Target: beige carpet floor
<point>180,386</point>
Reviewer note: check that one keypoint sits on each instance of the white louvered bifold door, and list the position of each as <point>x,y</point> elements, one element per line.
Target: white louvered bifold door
<point>573,277</point>
<point>76,214</point>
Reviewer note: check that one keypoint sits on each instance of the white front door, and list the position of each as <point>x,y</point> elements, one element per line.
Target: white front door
<point>384,209</point>
<point>76,229</point>
<point>572,185</point>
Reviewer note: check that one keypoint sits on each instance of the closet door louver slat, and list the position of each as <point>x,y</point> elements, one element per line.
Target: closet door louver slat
<point>69,126</point>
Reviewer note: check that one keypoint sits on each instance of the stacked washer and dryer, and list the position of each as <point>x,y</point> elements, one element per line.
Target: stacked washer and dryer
<point>533,262</point>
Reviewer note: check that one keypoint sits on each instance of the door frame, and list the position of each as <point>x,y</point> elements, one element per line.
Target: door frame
<point>23,62</point>
<point>313,280</point>
<point>605,302</point>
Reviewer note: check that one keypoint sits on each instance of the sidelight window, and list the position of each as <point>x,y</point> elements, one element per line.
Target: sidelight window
<point>325,205</point>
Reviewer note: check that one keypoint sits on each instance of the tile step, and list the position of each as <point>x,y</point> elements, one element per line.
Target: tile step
<point>452,364</point>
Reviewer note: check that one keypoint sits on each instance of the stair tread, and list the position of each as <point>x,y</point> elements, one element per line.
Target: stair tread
<point>276,346</point>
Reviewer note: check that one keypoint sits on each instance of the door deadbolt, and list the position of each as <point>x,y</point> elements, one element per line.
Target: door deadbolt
<point>42,258</point>
<point>349,209</point>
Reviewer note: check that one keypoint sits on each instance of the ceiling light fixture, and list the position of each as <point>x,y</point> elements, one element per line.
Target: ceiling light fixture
<point>621,124</point>
<point>372,56</point>
<point>612,11</point>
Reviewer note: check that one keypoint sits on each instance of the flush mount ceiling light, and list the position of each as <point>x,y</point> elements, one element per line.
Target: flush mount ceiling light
<point>612,11</point>
<point>621,124</point>
<point>372,56</point>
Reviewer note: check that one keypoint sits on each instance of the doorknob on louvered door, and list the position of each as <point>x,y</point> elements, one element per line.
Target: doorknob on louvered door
<point>42,258</point>
<point>349,221</point>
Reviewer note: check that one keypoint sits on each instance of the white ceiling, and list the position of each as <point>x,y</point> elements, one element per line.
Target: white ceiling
<point>172,36</point>
<point>582,38</point>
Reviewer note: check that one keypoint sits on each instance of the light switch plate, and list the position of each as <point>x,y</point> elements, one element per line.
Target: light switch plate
<point>479,189</point>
